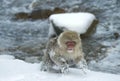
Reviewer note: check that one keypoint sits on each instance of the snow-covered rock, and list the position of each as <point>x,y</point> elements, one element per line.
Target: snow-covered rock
<point>78,22</point>
<point>18,70</point>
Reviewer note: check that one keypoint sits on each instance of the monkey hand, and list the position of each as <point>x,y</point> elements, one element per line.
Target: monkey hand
<point>44,67</point>
<point>82,65</point>
<point>61,63</point>
<point>64,67</point>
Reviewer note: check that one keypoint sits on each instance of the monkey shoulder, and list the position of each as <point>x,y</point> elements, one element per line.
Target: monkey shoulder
<point>52,45</point>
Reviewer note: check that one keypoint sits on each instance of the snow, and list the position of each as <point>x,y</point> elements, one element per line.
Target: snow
<point>78,22</point>
<point>12,69</point>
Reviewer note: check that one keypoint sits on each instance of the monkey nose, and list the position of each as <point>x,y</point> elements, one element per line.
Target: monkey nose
<point>70,43</point>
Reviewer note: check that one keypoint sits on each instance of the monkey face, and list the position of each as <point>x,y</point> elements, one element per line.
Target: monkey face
<point>69,40</point>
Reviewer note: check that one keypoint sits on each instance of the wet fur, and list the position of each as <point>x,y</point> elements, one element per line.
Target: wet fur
<point>56,52</point>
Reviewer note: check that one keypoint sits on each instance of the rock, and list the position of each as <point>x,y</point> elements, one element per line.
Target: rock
<point>58,10</point>
<point>21,15</point>
<point>38,14</point>
<point>116,35</point>
<point>91,30</point>
<point>32,48</point>
<point>93,50</point>
<point>57,25</point>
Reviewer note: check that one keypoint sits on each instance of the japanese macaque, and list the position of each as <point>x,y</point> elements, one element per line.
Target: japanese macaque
<point>63,52</point>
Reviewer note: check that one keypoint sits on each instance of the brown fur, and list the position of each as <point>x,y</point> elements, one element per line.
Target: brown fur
<point>57,50</point>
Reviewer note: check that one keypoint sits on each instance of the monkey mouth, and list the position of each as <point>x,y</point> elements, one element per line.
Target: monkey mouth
<point>70,45</point>
<point>70,50</point>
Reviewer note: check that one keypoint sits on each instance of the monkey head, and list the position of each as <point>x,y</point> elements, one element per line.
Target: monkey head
<point>69,40</point>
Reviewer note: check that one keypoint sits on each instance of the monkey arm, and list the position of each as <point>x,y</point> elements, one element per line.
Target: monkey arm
<point>51,59</point>
<point>47,63</point>
<point>80,61</point>
<point>49,47</point>
<point>53,53</point>
<point>60,62</point>
<point>82,64</point>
